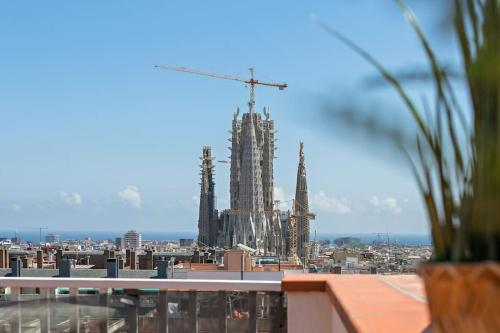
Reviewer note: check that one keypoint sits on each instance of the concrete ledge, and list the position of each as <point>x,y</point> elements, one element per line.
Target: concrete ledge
<point>305,282</point>
<point>367,303</point>
<point>161,284</point>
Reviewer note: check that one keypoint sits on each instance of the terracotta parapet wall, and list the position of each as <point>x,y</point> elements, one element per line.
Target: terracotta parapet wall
<point>368,303</point>
<point>306,282</point>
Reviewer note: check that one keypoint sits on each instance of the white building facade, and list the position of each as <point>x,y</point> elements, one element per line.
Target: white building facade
<point>132,240</point>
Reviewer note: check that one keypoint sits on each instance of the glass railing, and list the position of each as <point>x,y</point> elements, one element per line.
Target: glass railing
<point>144,310</point>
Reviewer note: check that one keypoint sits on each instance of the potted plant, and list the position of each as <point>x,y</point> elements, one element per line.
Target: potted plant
<point>457,167</point>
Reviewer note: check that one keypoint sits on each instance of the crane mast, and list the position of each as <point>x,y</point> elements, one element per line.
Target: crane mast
<point>251,101</point>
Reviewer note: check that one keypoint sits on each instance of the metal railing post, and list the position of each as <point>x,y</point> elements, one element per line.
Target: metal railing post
<point>16,322</point>
<point>252,311</point>
<point>163,311</point>
<point>221,304</point>
<point>241,267</point>
<point>74,320</point>
<point>103,303</point>
<point>193,311</point>
<point>44,302</point>
<point>133,317</point>
<point>277,314</point>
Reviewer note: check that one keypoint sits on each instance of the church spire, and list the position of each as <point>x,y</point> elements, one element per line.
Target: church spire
<point>207,197</point>
<point>302,206</point>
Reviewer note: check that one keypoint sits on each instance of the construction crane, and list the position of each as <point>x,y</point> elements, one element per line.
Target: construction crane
<point>40,229</point>
<point>28,228</point>
<point>251,82</point>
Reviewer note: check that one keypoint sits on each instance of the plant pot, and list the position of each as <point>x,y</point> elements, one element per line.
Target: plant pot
<point>463,297</point>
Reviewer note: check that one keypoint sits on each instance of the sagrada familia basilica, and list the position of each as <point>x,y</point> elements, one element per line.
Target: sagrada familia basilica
<point>253,218</point>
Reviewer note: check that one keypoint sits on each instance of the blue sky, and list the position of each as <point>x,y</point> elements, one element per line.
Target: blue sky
<point>92,137</point>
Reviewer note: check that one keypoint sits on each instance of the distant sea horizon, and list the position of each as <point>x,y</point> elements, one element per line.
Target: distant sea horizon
<point>366,238</point>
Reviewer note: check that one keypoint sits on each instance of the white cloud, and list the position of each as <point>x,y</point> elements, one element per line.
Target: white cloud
<point>131,196</point>
<point>279,193</point>
<point>72,199</point>
<point>387,204</point>
<point>191,204</point>
<point>195,201</point>
<point>284,198</point>
<point>330,204</point>
<point>16,207</point>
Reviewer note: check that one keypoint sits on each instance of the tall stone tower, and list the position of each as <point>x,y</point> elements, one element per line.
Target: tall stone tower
<point>207,220</point>
<point>302,207</point>
<point>250,218</point>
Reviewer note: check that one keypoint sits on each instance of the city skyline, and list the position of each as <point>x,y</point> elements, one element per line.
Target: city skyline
<point>118,148</point>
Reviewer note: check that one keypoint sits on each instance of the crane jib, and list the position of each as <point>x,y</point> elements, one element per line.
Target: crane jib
<point>250,81</point>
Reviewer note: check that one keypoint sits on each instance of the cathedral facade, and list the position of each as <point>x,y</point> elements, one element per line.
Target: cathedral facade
<point>253,219</point>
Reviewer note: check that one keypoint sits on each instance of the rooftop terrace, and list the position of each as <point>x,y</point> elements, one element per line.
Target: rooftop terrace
<point>298,303</point>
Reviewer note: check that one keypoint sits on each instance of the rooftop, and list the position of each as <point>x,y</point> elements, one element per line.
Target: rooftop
<point>314,302</point>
